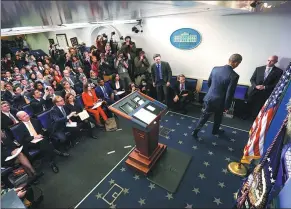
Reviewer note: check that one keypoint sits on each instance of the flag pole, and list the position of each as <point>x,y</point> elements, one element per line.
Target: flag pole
<point>237,168</point>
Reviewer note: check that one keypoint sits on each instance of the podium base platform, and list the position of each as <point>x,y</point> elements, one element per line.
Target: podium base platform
<point>143,164</point>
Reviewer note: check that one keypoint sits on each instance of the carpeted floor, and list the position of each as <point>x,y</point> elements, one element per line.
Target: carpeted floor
<point>206,183</point>
<point>89,163</point>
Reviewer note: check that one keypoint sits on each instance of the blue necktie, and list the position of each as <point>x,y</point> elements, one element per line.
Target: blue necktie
<point>160,71</point>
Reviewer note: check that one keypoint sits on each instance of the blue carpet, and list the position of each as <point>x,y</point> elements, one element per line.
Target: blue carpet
<point>206,183</point>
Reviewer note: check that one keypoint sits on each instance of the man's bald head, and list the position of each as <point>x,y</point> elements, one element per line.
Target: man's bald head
<point>23,116</point>
<point>272,60</point>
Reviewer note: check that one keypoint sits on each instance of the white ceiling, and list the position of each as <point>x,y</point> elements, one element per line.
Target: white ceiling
<point>44,16</point>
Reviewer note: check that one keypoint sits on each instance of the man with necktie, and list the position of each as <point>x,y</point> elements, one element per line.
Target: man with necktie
<point>222,83</point>
<point>263,81</point>
<point>105,92</point>
<point>8,117</point>
<point>182,93</point>
<point>161,76</point>
<point>31,136</point>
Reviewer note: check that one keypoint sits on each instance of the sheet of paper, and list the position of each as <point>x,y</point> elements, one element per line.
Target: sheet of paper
<point>15,155</point>
<point>97,105</point>
<point>151,108</point>
<point>140,102</point>
<point>136,99</point>
<point>84,115</point>
<point>145,116</point>
<point>73,124</point>
<point>36,140</point>
<point>119,92</point>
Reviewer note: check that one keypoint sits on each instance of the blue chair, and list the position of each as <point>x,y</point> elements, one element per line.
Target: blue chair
<point>192,83</point>
<point>32,152</point>
<point>79,100</point>
<point>204,87</point>
<point>241,92</point>
<point>173,81</point>
<point>28,109</point>
<point>45,119</point>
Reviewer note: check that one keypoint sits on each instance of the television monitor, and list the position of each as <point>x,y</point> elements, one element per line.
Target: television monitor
<point>127,108</point>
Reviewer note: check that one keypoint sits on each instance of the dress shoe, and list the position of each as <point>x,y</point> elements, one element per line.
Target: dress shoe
<point>195,134</point>
<point>54,167</point>
<point>219,132</point>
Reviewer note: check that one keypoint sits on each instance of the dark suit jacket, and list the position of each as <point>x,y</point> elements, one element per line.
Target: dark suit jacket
<point>58,119</point>
<point>73,108</point>
<point>7,96</point>
<point>100,93</point>
<point>177,88</point>
<point>24,134</point>
<point>6,122</point>
<point>222,84</point>
<point>113,86</point>
<point>270,82</point>
<point>37,106</point>
<point>166,71</point>
<point>72,78</point>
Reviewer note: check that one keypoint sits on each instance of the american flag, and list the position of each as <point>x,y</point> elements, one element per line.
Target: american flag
<point>259,129</point>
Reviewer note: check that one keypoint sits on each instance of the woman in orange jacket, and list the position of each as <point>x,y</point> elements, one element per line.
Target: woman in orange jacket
<point>90,99</point>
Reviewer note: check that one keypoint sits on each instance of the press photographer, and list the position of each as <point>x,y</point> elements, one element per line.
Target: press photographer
<point>141,64</point>
<point>121,65</point>
<point>129,48</point>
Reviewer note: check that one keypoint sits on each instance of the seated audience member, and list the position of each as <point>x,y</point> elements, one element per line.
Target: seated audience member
<point>93,78</point>
<point>121,66</point>
<point>115,84</point>
<point>40,78</point>
<point>60,118</point>
<point>9,148</point>
<point>142,65</point>
<point>24,74</point>
<point>90,99</point>
<point>182,94</point>
<point>57,77</point>
<point>145,87</point>
<point>39,86</point>
<point>30,132</point>
<point>32,77</point>
<point>8,117</point>
<point>39,103</point>
<point>95,66</point>
<point>67,89</point>
<point>76,63</point>
<point>69,78</point>
<point>19,99</point>
<point>56,86</point>
<point>73,106</point>
<point>9,93</point>
<point>8,77</point>
<point>133,88</point>
<point>80,74</point>
<point>104,92</point>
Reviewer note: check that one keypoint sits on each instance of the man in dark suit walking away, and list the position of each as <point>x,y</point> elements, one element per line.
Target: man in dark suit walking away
<point>222,84</point>
<point>263,81</point>
<point>161,76</point>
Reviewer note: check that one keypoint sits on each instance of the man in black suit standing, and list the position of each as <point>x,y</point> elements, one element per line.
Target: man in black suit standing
<point>222,84</point>
<point>30,132</point>
<point>161,76</point>
<point>182,94</point>
<point>263,81</point>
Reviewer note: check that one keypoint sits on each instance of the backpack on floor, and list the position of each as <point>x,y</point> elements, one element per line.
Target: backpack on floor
<point>110,124</point>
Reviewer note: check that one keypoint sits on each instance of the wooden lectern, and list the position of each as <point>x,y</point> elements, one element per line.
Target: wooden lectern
<point>144,114</point>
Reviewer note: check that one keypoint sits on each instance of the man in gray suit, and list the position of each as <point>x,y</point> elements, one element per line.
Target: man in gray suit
<point>161,76</point>
<point>222,84</point>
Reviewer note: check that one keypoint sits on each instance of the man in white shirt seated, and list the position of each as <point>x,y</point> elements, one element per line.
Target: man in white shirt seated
<point>31,136</point>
